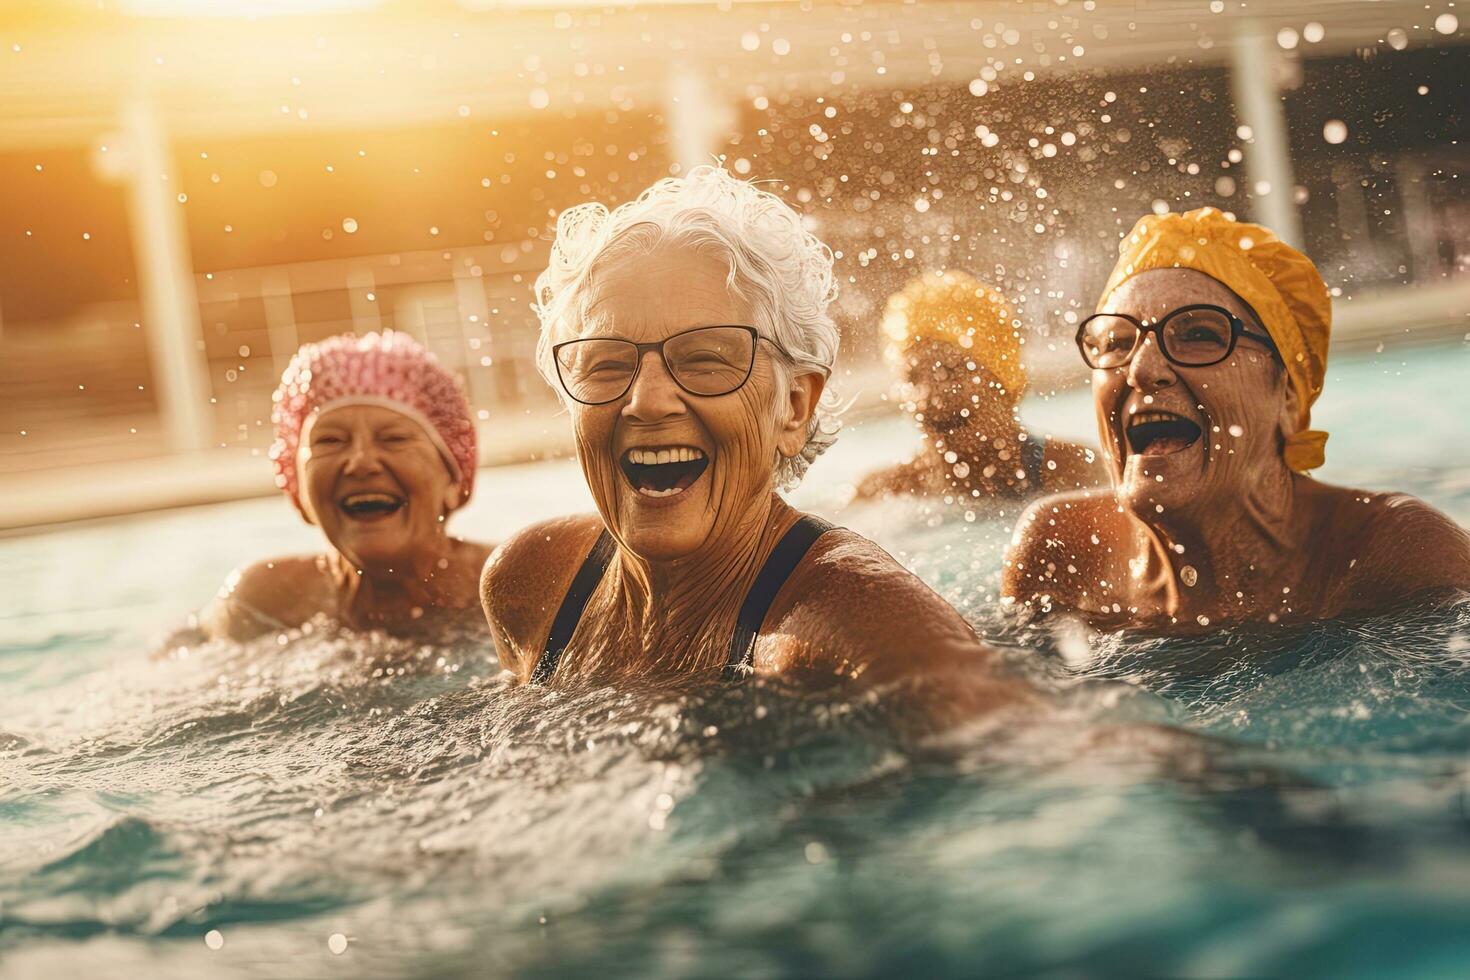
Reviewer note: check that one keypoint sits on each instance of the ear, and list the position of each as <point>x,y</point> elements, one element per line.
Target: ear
<point>453,497</point>
<point>453,494</point>
<point>303,506</point>
<point>1289,421</point>
<point>802,398</point>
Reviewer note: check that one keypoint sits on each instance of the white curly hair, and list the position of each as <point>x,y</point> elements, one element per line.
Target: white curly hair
<point>782,270</point>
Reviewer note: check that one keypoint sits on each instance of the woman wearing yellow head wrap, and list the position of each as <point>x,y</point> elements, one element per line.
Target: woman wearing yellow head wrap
<point>1208,350</point>
<point>956,346</point>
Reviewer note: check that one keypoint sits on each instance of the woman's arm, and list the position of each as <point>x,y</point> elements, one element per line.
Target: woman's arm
<point>862,618</point>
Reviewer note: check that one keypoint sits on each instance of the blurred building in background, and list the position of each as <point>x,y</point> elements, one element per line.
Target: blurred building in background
<point>190,189</point>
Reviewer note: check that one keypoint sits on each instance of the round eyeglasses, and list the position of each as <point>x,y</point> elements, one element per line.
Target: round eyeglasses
<point>1191,336</point>
<point>704,361</point>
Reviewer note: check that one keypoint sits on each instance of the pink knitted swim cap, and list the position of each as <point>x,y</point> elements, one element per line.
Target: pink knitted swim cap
<point>388,369</point>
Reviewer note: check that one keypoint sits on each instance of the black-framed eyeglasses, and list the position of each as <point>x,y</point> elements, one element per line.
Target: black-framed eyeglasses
<point>1191,336</point>
<point>703,361</point>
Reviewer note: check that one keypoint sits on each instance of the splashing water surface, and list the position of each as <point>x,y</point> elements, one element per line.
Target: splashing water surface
<point>320,803</point>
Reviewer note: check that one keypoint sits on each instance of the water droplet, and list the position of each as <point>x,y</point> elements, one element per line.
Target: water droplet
<point>1188,575</point>
<point>214,939</point>
<point>337,943</point>
<point>1236,431</point>
<point>1334,131</point>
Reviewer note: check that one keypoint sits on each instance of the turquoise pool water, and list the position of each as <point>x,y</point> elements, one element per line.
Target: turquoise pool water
<point>316,804</point>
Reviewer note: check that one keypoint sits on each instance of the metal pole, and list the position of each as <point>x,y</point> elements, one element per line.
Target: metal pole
<point>280,320</point>
<point>696,121</point>
<point>1253,59</point>
<point>362,300</point>
<point>166,285</point>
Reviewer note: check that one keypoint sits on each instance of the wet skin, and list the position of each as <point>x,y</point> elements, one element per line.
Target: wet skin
<point>375,484</point>
<point>1218,529</point>
<point>684,563</point>
<point>964,410</point>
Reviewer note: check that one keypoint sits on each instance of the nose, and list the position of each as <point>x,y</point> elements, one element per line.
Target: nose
<point>1150,370</point>
<point>654,396</point>
<point>362,458</point>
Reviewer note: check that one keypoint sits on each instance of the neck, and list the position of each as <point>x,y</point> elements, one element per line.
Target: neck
<point>1227,559</point>
<point>681,608</point>
<point>379,591</point>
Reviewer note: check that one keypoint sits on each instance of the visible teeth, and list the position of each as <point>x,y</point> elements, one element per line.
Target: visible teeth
<point>650,492</point>
<point>1143,417</point>
<point>656,457</point>
<point>352,500</point>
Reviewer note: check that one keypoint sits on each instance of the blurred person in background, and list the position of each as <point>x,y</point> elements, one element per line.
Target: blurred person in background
<point>955,345</point>
<point>1208,349</point>
<point>375,446</point>
<point>689,334</point>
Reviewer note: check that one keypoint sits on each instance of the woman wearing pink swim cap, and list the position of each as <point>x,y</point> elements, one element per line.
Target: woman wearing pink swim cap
<point>374,445</point>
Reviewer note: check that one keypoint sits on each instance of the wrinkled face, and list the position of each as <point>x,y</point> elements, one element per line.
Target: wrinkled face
<point>374,482</point>
<point>1189,437</point>
<point>674,473</point>
<point>948,389</point>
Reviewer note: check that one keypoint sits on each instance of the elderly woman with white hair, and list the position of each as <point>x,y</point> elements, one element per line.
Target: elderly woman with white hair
<point>688,333</point>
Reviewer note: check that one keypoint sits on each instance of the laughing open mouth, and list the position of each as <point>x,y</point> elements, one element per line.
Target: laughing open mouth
<point>1160,433</point>
<point>664,472</point>
<point>370,506</point>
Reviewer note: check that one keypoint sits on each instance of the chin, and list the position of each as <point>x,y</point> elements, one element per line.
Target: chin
<point>376,549</point>
<point>662,550</point>
<point>664,541</point>
<point>1141,490</point>
<point>664,516</point>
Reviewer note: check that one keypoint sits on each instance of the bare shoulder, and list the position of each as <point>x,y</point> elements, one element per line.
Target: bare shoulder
<point>524,580</point>
<point>852,609</point>
<point>1062,544</point>
<point>1403,546</point>
<point>265,596</point>
<point>907,477</point>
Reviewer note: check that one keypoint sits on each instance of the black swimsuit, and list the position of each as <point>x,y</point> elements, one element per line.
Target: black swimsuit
<point>1033,458</point>
<point>784,558</point>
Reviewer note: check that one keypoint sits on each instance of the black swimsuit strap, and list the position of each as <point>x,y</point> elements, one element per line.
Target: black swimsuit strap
<point>784,558</point>
<point>1033,456</point>
<point>570,613</point>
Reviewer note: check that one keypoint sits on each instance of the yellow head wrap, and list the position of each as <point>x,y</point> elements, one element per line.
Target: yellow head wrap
<point>960,310</point>
<point>1280,284</point>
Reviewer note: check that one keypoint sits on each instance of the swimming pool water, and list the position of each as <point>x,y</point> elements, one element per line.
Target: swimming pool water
<point>319,804</point>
